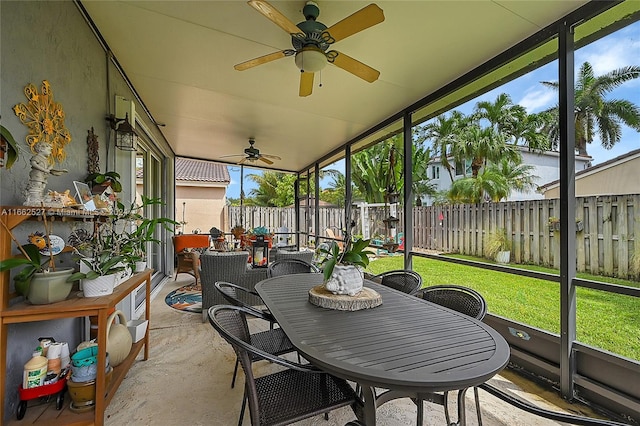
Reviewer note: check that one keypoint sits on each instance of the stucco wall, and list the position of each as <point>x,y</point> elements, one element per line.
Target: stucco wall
<point>203,207</point>
<point>621,179</point>
<point>44,40</point>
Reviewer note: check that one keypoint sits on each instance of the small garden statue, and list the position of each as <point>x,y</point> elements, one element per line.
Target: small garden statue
<point>40,171</point>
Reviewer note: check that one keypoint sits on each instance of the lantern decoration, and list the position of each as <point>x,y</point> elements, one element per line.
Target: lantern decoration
<point>260,252</point>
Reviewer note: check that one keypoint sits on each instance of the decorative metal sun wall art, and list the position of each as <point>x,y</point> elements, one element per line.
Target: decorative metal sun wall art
<point>45,120</point>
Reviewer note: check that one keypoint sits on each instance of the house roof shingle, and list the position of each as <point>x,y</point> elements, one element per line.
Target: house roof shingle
<point>191,170</point>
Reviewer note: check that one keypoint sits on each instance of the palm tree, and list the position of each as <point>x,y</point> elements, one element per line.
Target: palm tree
<point>513,122</point>
<point>420,175</point>
<point>483,146</point>
<point>274,189</point>
<point>370,170</point>
<point>444,132</point>
<point>594,113</point>
<point>518,176</point>
<point>490,185</point>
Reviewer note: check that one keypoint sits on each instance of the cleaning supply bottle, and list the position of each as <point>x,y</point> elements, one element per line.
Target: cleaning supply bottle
<point>35,370</point>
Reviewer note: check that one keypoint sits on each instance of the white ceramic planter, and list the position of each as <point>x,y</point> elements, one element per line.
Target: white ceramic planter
<point>141,266</point>
<point>503,257</point>
<point>101,286</point>
<point>345,279</point>
<point>124,275</point>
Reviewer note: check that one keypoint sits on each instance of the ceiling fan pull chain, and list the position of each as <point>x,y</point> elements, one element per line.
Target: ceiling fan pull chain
<point>320,82</point>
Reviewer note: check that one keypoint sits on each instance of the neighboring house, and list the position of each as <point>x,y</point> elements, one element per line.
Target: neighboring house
<point>618,176</point>
<point>546,168</point>
<point>201,194</point>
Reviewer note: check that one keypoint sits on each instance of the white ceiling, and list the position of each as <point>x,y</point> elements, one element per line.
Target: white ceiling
<point>179,56</point>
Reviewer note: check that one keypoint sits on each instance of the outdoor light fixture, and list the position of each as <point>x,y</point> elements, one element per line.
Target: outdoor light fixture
<point>310,59</point>
<point>126,135</point>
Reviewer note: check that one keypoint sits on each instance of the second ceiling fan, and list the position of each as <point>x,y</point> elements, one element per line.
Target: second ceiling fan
<point>252,154</point>
<point>311,40</point>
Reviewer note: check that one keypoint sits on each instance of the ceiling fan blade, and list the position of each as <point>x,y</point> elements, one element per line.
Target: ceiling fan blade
<point>361,20</point>
<point>275,16</point>
<point>266,160</point>
<point>262,60</point>
<point>232,155</point>
<point>275,157</point>
<point>353,66</point>
<point>306,83</point>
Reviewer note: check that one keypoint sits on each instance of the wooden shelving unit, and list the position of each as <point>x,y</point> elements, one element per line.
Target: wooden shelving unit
<point>73,307</point>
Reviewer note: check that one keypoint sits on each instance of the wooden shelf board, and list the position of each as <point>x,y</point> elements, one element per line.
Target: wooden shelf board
<point>46,413</point>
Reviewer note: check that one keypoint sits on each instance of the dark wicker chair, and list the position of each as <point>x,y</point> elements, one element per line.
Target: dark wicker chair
<point>466,301</point>
<point>299,392</point>
<point>403,280</point>
<point>273,341</point>
<point>290,266</point>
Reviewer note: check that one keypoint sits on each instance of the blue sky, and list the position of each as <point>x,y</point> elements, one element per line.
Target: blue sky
<point>617,50</point>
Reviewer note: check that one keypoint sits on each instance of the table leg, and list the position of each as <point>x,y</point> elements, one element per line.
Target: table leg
<point>369,397</point>
<point>462,419</point>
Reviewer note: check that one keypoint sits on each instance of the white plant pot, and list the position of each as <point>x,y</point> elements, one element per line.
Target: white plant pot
<point>503,257</point>
<point>141,266</point>
<point>124,275</point>
<point>101,286</point>
<point>345,279</point>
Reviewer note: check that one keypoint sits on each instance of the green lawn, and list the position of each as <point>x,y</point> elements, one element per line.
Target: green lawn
<point>604,320</point>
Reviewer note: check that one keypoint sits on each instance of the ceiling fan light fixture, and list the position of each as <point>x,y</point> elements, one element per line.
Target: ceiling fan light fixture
<point>310,59</point>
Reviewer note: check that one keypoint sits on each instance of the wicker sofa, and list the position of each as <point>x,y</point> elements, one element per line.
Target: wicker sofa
<point>230,267</point>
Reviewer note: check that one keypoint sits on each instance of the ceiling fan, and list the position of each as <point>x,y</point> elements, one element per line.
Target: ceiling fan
<point>311,39</point>
<point>252,154</point>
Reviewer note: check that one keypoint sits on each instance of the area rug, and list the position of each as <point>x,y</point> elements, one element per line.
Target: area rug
<point>187,299</point>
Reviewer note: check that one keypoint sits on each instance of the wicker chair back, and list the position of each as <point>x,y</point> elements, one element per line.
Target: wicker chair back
<point>403,280</point>
<point>298,392</point>
<point>290,266</point>
<point>459,298</point>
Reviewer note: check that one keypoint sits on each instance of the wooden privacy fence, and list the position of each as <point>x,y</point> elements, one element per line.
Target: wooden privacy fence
<point>273,218</point>
<point>606,229</point>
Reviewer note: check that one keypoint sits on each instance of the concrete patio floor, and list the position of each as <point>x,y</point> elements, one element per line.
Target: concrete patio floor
<point>186,381</point>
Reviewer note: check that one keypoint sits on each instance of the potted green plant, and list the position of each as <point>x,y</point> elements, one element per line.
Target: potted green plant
<point>498,246</point>
<point>99,181</point>
<point>103,258</point>
<point>38,280</point>
<point>142,233</point>
<point>342,271</point>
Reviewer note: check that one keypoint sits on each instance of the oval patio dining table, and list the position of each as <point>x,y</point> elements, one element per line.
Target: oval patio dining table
<point>407,345</point>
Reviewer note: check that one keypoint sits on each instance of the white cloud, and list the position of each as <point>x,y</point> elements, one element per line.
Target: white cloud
<point>538,98</point>
<point>615,51</point>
